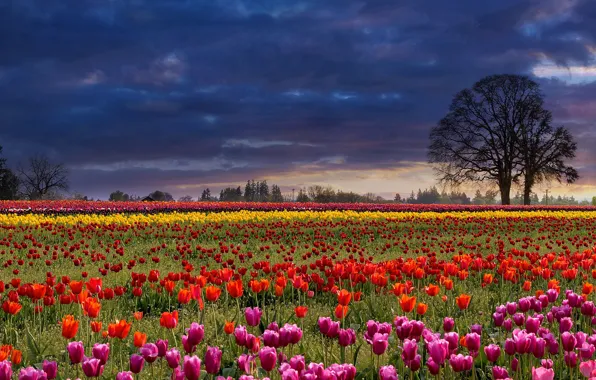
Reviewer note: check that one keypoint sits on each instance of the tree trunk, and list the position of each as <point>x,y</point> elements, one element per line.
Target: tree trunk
<point>528,183</point>
<point>505,189</point>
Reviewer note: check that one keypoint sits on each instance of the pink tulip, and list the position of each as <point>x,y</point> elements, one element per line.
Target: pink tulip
<point>31,373</point>
<point>298,363</point>
<point>240,335</point>
<point>76,351</point>
<point>245,362</point>
<point>492,352</point>
<point>92,367</point>
<point>448,324</point>
<point>162,347</point>
<point>136,364</point>
<point>410,349</point>
<point>586,368</point>
<point>542,373</point>
<point>192,367</point>
<point>5,370</point>
<point>461,363</point>
<point>568,341</point>
<point>101,352</point>
<point>195,333</point>
<point>432,366</point>
<point>173,358</point>
<point>453,339</point>
<point>253,316</point>
<point>149,352</point>
<point>380,343</point>
<point>50,368</point>
<point>500,373</point>
<point>268,357</point>
<point>387,372</point>
<point>212,360</point>
<point>473,342</point>
<point>125,375</point>
<point>438,350</point>
<point>346,337</point>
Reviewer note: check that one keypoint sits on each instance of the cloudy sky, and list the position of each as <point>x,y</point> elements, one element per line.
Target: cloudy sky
<point>179,95</point>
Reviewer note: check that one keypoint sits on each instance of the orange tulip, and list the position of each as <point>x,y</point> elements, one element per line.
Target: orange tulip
<point>169,320</point>
<point>212,293</point>
<point>235,288</point>
<point>138,315</point>
<point>463,301</point>
<point>279,291</point>
<point>527,286</point>
<point>169,286</point>
<point>407,303</point>
<point>38,291</point>
<point>76,286</point>
<point>139,339</point>
<point>4,352</point>
<point>120,329</point>
<point>341,311</point>
<point>301,311</point>
<point>344,297</point>
<point>184,296</point>
<point>229,328</point>
<point>12,308</point>
<point>96,326</point>
<point>264,283</point>
<point>587,288</point>
<point>16,357</point>
<point>487,278</point>
<point>70,327</point>
<point>421,308</point>
<point>91,307</point>
<point>432,290</point>
<point>448,283</point>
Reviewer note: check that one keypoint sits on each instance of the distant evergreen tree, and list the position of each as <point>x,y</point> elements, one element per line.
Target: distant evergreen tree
<point>276,195</point>
<point>206,195</point>
<point>302,196</point>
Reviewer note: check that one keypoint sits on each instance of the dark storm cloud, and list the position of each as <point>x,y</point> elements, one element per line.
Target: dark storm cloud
<point>148,93</point>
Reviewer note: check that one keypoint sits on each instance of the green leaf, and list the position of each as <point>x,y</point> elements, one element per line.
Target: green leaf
<point>356,352</point>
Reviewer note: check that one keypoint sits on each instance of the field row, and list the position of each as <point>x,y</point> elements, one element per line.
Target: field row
<point>99,207</point>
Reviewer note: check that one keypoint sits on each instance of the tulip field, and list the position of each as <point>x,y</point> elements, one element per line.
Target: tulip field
<point>98,290</point>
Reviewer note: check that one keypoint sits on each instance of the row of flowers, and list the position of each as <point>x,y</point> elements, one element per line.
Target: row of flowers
<point>92,207</point>
<point>534,337</point>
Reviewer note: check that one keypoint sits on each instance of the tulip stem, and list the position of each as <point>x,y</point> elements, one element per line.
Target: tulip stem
<point>174,336</point>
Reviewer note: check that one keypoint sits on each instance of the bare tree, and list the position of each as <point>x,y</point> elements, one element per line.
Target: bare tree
<point>41,177</point>
<point>544,150</point>
<point>186,198</point>
<point>482,136</point>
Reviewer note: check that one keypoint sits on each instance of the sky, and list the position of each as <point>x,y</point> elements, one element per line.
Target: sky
<point>180,95</point>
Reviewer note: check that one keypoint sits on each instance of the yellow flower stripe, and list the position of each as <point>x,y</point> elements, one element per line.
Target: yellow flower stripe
<point>266,216</point>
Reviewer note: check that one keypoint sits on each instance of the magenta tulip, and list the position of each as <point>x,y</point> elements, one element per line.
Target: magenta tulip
<point>101,352</point>
<point>268,357</point>
<point>192,367</point>
<point>149,352</point>
<point>253,316</point>
<point>173,358</point>
<point>212,360</point>
<point>76,351</point>
<point>92,367</point>
<point>136,364</point>
<point>50,368</point>
<point>388,372</point>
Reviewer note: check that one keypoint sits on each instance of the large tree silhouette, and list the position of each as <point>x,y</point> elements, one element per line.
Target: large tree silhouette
<point>40,177</point>
<point>498,131</point>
